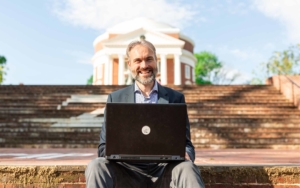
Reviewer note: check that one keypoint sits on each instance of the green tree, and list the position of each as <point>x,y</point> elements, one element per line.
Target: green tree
<point>206,67</point>
<point>2,68</point>
<point>280,63</point>
<point>209,70</point>
<point>90,81</point>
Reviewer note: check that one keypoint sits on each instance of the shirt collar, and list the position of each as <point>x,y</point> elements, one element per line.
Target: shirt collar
<point>137,89</point>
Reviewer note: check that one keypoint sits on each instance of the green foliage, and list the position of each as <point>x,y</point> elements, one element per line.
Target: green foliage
<point>209,70</point>
<point>281,63</point>
<point>90,81</point>
<point>2,68</point>
<point>207,63</point>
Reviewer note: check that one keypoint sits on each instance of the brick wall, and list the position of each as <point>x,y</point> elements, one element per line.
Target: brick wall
<point>287,85</point>
<point>214,177</point>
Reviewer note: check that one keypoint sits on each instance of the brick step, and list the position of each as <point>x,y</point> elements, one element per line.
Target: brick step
<point>31,94</point>
<point>37,102</point>
<point>86,108</point>
<point>222,87</point>
<point>39,97</point>
<point>247,141</point>
<point>37,111</point>
<point>221,105</point>
<point>238,104</point>
<point>250,97</point>
<point>244,116</point>
<point>41,115</point>
<point>241,134</point>
<point>46,139</point>
<point>244,120</point>
<point>241,112</point>
<point>232,101</point>
<point>238,95</point>
<point>230,92</point>
<point>49,145</point>
<point>50,130</point>
<point>210,125</point>
<point>26,105</point>
<point>243,108</point>
<point>191,111</point>
<point>249,146</point>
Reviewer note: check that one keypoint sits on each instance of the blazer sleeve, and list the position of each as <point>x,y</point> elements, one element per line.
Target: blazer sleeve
<point>101,146</point>
<point>189,148</point>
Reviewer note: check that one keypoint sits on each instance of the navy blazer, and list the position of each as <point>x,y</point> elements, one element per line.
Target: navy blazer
<point>165,96</point>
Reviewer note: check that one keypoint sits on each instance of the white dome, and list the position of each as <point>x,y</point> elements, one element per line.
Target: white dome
<point>142,22</point>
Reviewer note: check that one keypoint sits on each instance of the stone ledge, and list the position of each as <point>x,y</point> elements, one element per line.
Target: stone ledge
<point>213,176</point>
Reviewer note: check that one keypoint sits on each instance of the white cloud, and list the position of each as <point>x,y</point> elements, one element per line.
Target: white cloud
<point>102,14</point>
<point>286,11</point>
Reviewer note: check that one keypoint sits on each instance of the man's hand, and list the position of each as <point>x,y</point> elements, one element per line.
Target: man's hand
<point>187,157</point>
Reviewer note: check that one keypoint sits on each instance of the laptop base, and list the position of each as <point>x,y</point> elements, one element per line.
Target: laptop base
<point>146,158</point>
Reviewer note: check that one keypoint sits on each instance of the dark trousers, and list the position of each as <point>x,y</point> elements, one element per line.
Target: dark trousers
<point>105,174</point>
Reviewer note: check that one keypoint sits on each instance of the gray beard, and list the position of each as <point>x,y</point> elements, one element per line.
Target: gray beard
<point>145,81</point>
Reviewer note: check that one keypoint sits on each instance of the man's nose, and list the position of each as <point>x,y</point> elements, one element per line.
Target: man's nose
<point>143,64</point>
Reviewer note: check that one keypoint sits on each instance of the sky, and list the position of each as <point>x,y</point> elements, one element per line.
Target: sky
<point>51,41</point>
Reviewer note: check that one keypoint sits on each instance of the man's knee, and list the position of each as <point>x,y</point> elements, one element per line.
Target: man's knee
<point>97,165</point>
<point>186,168</point>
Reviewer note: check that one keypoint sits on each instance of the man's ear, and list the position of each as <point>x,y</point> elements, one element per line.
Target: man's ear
<point>128,62</point>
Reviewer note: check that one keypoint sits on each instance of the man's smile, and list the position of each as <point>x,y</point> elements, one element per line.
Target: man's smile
<point>145,72</point>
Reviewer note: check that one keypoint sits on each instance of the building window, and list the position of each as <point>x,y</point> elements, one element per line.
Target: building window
<point>187,72</point>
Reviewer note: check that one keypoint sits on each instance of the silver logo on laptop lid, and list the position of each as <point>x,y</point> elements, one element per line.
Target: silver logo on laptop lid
<point>146,130</point>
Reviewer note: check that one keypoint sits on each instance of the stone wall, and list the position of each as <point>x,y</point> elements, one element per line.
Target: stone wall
<point>214,176</point>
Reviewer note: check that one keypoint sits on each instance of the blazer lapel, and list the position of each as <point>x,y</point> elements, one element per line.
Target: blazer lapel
<point>163,97</point>
<point>128,95</point>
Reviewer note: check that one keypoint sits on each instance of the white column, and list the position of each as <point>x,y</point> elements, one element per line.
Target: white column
<point>121,78</point>
<point>177,70</point>
<point>110,71</point>
<point>95,74</point>
<point>163,69</point>
<point>107,72</point>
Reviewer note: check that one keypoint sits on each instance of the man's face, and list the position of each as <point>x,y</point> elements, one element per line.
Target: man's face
<point>142,63</point>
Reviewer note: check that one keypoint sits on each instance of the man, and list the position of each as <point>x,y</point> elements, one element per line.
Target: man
<point>100,172</point>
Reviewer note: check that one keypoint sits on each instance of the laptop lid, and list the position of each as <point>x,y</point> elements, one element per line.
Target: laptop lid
<point>145,132</point>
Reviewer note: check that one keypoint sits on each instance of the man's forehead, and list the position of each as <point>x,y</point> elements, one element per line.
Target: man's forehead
<point>142,48</point>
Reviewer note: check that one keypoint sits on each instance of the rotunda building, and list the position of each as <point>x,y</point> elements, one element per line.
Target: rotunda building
<point>174,51</point>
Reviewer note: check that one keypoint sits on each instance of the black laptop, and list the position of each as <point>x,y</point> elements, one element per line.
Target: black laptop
<point>145,132</point>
